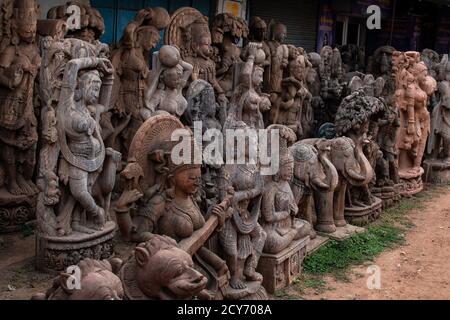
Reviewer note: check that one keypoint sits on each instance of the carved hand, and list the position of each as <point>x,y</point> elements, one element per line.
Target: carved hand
<point>220,213</point>
<point>105,66</point>
<point>127,198</point>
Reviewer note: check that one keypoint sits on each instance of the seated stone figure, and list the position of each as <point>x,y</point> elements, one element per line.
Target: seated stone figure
<point>278,208</point>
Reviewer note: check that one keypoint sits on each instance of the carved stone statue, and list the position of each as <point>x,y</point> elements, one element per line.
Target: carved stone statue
<point>438,163</point>
<point>165,91</point>
<point>279,54</point>
<point>414,87</point>
<point>353,58</point>
<point>247,104</point>
<point>132,75</point>
<point>294,103</point>
<point>189,31</point>
<point>314,181</point>
<point>76,173</point>
<point>258,34</point>
<point>242,237</point>
<point>353,119</point>
<point>98,281</point>
<point>227,31</point>
<point>164,195</point>
<point>287,236</point>
<point>331,74</point>
<point>19,64</point>
<point>92,25</point>
<point>314,86</point>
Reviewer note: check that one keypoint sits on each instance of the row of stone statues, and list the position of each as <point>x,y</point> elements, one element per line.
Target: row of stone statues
<point>93,126</point>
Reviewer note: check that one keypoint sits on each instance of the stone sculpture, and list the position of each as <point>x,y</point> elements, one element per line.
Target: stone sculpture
<point>353,119</point>
<point>227,31</point>
<point>189,31</point>
<point>242,237</point>
<point>279,54</point>
<point>314,181</point>
<point>132,75</point>
<point>77,173</point>
<point>247,104</point>
<point>287,236</point>
<point>19,64</point>
<point>98,281</point>
<point>314,87</point>
<point>164,197</point>
<point>414,87</point>
<point>437,164</point>
<point>295,110</point>
<point>258,34</point>
<point>92,25</point>
<point>331,77</point>
<point>165,91</point>
<point>353,58</point>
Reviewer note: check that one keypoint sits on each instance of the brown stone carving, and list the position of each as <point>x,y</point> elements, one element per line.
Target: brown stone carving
<point>132,75</point>
<point>258,34</point>
<point>98,281</point>
<point>189,31</point>
<point>76,173</point>
<point>437,164</point>
<point>413,88</point>
<point>278,219</point>
<point>164,196</point>
<point>247,104</point>
<point>227,31</point>
<point>314,181</point>
<point>242,237</point>
<point>353,58</point>
<point>158,269</point>
<point>279,54</point>
<point>19,64</point>
<point>314,86</point>
<point>295,110</point>
<point>92,25</point>
<point>165,90</point>
<point>331,77</point>
<point>353,119</point>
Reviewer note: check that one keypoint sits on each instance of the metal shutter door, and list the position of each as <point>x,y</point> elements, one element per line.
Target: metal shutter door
<point>300,17</point>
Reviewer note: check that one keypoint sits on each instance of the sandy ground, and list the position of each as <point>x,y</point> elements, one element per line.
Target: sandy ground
<point>417,270</point>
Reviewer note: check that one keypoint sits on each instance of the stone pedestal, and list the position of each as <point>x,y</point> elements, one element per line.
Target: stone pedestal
<point>436,171</point>
<point>280,269</point>
<point>15,210</point>
<point>316,243</point>
<point>343,233</point>
<point>389,195</point>
<point>361,216</point>
<point>254,291</point>
<point>54,254</point>
<point>411,182</point>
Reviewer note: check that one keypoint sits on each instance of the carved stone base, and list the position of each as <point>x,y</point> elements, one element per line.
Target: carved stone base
<point>411,184</point>
<point>389,195</point>
<point>343,233</point>
<point>436,171</point>
<point>15,210</point>
<point>254,291</point>
<point>315,244</point>
<point>360,216</point>
<point>280,269</point>
<point>54,254</point>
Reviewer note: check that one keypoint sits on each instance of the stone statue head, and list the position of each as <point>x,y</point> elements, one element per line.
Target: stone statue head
<point>258,29</point>
<point>89,86</point>
<point>147,37</point>
<point>279,32</point>
<point>25,20</point>
<point>171,77</point>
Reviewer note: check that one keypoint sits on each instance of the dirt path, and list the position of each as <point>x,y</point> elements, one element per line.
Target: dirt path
<point>420,269</point>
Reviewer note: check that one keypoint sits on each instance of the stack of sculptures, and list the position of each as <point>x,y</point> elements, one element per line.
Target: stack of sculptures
<point>287,236</point>
<point>200,227</point>
<point>331,78</point>
<point>188,30</point>
<point>353,58</point>
<point>437,164</point>
<point>227,31</point>
<point>76,172</point>
<point>355,116</point>
<point>413,88</point>
<point>132,75</point>
<point>19,64</point>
